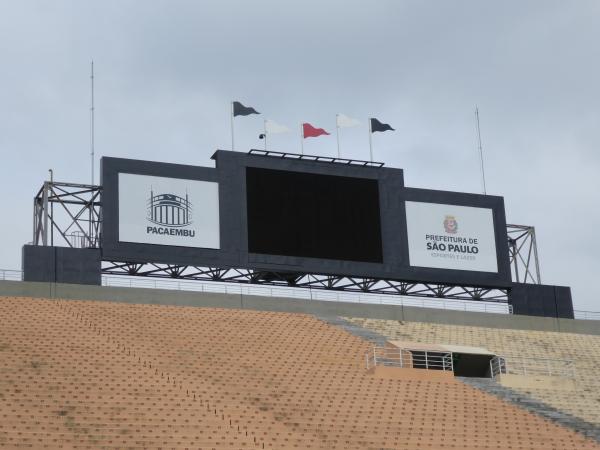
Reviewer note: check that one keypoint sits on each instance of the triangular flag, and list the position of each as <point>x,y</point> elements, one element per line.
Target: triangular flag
<point>272,127</point>
<point>241,110</point>
<point>343,121</point>
<point>376,125</point>
<point>309,131</point>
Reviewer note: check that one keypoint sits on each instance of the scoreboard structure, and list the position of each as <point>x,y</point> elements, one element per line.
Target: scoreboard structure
<point>288,216</point>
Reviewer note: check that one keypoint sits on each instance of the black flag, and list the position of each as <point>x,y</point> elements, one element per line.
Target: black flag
<point>376,125</point>
<point>241,110</point>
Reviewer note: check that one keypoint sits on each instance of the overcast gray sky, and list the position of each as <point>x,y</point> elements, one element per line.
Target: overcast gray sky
<point>167,70</point>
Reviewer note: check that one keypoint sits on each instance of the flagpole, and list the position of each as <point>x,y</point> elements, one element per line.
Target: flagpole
<point>480,149</point>
<point>232,140</point>
<point>265,124</point>
<point>337,134</point>
<point>301,139</point>
<point>370,141</point>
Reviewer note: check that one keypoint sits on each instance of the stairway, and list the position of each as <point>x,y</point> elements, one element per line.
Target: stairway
<point>535,406</point>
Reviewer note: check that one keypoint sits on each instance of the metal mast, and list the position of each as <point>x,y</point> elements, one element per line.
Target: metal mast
<point>92,120</point>
<point>480,150</point>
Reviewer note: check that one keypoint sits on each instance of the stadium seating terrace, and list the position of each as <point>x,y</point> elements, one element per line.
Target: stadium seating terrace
<point>92,374</point>
<point>582,349</point>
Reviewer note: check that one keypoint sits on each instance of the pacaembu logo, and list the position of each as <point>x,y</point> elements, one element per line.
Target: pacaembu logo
<point>450,225</point>
<point>171,213</point>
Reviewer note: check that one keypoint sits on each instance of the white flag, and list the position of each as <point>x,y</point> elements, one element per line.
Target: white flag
<point>272,127</point>
<point>343,121</point>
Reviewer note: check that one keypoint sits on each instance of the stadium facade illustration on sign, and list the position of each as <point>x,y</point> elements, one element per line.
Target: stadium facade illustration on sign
<point>168,211</point>
<point>451,237</point>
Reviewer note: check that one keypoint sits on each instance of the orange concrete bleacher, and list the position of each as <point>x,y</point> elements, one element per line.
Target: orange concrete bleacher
<point>583,349</point>
<point>77,374</point>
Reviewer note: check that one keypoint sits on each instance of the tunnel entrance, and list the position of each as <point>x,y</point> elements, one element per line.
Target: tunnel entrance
<point>471,365</point>
<point>464,361</point>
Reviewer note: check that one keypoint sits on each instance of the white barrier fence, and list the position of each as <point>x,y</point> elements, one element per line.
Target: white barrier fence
<point>11,275</point>
<point>527,366</point>
<point>587,315</point>
<point>306,294</point>
<point>408,358</point>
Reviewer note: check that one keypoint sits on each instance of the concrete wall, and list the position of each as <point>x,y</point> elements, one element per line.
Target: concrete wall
<point>316,307</point>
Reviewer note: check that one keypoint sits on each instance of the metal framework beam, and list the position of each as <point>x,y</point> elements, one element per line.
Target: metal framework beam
<point>304,280</point>
<point>67,214</point>
<point>329,159</point>
<point>523,254</point>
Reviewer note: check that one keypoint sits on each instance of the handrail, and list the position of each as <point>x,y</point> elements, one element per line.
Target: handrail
<point>587,315</point>
<point>308,294</point>
<point>11,275</point>
<point>408,358</point>
<point>330,159</point>
<point>523,365</point>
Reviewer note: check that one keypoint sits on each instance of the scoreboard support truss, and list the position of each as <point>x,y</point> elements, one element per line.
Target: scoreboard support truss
<point>304,280</point>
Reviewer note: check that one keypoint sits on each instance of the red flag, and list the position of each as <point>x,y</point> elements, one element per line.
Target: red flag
<point>310,131</point>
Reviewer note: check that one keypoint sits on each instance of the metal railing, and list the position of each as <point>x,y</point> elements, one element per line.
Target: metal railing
<point>587,315</point>
<point>408,358</point>
<point>11,275</point>
<point>330,159</point>
<point>307,294</point>
<point>520,365</point>
<point>497,366</point>
<point>77,239</point>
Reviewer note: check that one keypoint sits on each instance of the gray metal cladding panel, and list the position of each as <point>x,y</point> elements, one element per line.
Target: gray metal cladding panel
<point>78,266</point>
<point>61,265</point>
<point>38,263</point>
<point>541,300</point>
<point>564,302</point>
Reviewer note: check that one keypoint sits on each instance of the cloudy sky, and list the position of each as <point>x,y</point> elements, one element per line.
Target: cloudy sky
<point>167,70</point>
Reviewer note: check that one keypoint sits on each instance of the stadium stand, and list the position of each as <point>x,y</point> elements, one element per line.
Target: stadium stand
<point>92,374</point>
<point>580,399</point>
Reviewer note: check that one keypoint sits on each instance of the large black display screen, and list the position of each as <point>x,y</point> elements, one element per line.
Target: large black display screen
<point>311,215</point>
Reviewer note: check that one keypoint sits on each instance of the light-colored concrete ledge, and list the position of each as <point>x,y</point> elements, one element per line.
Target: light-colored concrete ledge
<point>282,304</point>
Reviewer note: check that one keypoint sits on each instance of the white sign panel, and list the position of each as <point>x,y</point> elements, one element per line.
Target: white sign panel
<point>451,237</point>
<point>168,211</point>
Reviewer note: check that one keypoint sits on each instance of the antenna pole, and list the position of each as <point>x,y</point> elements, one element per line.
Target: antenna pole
<point>232,133</point>
<point>480,150</point>
<point>266,136</point>
<point>92,120</point>
<point>337,133</point>
<point>370,141</point>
